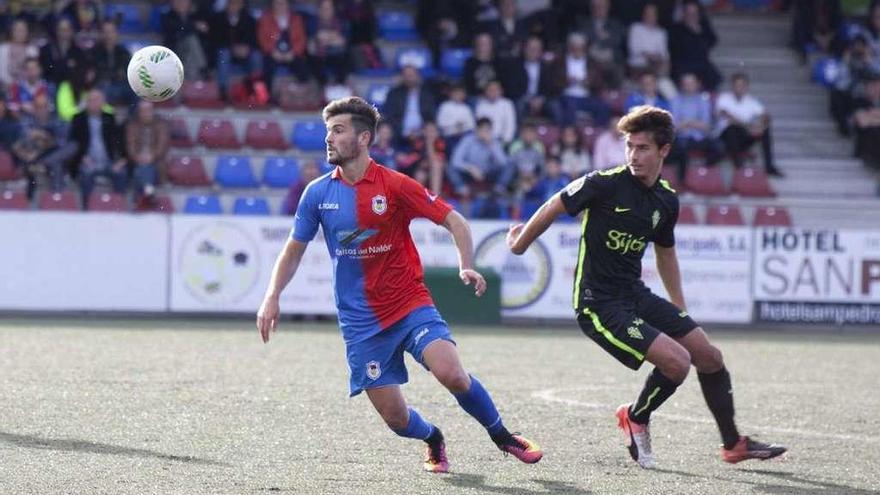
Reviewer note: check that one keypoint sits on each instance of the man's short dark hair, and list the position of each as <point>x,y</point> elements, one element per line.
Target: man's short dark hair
<point>484,121</point>
<point>739,76</point>
<point>364,116</point>
<point>646,118</point>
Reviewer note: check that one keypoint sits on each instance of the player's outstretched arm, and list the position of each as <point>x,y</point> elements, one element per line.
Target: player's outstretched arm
<point>521,236</point>
<point>667,267</point>
<point>464,243</point>
<point>285,267</point>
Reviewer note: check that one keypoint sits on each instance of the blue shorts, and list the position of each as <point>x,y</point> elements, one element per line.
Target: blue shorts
<point>378,361</point>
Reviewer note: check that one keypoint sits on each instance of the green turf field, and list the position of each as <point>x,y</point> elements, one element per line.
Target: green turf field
<point>191,407</point>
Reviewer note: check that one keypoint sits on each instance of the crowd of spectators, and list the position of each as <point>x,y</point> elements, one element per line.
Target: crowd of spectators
<point>572,66</point>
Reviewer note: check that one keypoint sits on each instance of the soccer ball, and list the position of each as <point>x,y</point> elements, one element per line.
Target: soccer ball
<point>155,73</point>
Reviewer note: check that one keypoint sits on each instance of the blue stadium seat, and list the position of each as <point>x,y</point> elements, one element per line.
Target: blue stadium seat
<point>308,135</point>
<point>250,205</point>
<point>155,20</point>
<point>234,171</point>
<point>825,71</point>
<point>129,15</point>
<point>489,209</point>
<point>280,171</point>
<point>397,26</point>
<point>377,72</point>
<point>377,93</point>
<point>452,61</point>
<point>203,205</point>
<point>417,56</point>
<point>529,207</point>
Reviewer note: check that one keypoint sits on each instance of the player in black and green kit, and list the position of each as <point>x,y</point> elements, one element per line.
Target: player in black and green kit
<point>624,209</point>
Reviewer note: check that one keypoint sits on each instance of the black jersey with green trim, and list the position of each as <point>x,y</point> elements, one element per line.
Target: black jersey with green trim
<point>621,216</point>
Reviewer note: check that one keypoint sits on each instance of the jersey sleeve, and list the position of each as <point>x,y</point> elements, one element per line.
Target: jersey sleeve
<point>666,234</point>
<point>582,193</point>
<point>306,219</point>
<point>418,202</point>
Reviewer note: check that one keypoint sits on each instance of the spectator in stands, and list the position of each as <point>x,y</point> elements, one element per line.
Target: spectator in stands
<point>578,96</point>
<point>43,147</point>
<point>649,49</point>
<point>646,94</point>
<point>508,31</point>
<point>10,128</point>
<point>363,27</point>
<point>23,92</point>
<point>742,121</point>
<point>528,82</point>
<point>409,104</point>
<point>383,151</point>
<point>328,46</point>
<point>182,31</point>
<point>455,117</point>
<point>689,44</point>
<point>610,149</point>
<point>446,24</point>
<point>235,34</point>
<point>147,139</point>
<point>479,159</point>
<point>857,64</point>
<point>426,160</point>
<point>99,150</point>
<point>72,91</point>
<point>494,106</point>
<point>85,16</point>
<point>482,67</point>
<point>527,160</point>
<point>872,29</point>
<point>606,37</point>
<point>815,22</point>
<point>282,37</point>
<point>14,52</point>
<point>573,156</point>
<point>308,172</point>
<point>867,124</point>
<point>61,57</point>
<point>692,111</point>
<point>553,180</point>
<point>111,66</point>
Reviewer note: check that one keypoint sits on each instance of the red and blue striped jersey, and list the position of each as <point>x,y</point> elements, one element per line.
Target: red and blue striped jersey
<point>377,272</point>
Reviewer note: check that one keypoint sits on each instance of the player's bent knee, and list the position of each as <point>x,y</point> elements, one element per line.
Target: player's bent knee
<point>395,419</point>
<point>710,361</point>
<point>455,380</point>
<point>679,365</point>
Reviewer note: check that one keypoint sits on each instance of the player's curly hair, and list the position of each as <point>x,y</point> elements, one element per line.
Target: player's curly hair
<point>646,118</point>
<point>364,116</point>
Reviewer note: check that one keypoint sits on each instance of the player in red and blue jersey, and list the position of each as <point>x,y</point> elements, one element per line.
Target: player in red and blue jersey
<point>384,307</point>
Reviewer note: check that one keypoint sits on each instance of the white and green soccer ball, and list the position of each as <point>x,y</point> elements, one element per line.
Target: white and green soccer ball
<point>155,73</point>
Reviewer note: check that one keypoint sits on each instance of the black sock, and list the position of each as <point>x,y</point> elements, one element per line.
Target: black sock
<point>500,436</point>
<point>657,389</point>
<point>435,437</point>
<point>719,397</point>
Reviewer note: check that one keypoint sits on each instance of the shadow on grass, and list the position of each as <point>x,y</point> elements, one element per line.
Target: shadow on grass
<point>478,482</point>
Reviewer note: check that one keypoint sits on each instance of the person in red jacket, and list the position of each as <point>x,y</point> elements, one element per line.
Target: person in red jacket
<point>281,35</point>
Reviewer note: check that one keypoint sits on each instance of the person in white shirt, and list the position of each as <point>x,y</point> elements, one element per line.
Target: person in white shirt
<point>455,117</point>
<point>610,149</point>
<point>499,110</point>
<point>649,50</point>
<point>742,121</point>
<point>572,67</point>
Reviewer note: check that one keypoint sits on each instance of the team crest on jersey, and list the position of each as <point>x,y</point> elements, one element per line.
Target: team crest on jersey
<point>655,219</point>
<point>374,371</point>
<point>380,204</point>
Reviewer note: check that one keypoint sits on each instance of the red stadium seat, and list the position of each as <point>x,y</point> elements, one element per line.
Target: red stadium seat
<point>772,216</point>
<point>187,171</point>
<point>687,215</point>
<point>63,201</point>
<point>299,97</point>
<point>159,204</point>
<point>218,133</point>
<point>13,200</point>
<point>753,183</point>
<point>724,215</point>
<point>670,173</point>
<point>180,136</point>
<point>107,202</point>
<point>202,94</point>
<point>706,181</point>
<point>265,135</point>
<point>549,135</point>
<point>8,170</point>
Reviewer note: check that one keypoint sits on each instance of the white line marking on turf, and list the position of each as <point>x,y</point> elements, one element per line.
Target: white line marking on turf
<point>550,395</point>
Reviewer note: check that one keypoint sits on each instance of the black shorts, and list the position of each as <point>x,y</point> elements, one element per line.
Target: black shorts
<point>626,327</point>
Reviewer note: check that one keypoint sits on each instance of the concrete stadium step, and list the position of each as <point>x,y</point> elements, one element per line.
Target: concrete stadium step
<point>856,187</point>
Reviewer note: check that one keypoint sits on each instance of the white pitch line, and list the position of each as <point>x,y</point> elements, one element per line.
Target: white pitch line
<point>549,395</point>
